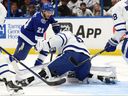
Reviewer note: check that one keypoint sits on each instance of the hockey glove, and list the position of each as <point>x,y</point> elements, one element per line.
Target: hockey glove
<point>111,45</point>
<point>56,27</point>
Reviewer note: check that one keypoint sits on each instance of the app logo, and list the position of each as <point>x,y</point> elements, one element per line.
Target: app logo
<point>3,31</point>
<point>65,26</point>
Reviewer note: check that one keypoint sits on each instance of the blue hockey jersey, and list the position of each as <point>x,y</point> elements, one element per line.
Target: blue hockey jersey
<point>35,28</point>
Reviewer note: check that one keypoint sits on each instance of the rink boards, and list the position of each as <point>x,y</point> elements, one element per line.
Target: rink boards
<point>94,31</point>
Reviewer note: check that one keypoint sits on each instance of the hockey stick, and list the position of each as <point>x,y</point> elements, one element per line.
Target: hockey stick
<point>72,60</point>
<point>51,56</point>
<point>52,52</point>
<point>53,83</point>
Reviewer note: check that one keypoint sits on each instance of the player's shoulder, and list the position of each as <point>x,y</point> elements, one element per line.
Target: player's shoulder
<point>1,5</point>
<point>120,5</point>
<point>36,15</point>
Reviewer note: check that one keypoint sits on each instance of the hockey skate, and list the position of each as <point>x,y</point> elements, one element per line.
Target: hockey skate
<point>25,82</point>
<point>13,89</point>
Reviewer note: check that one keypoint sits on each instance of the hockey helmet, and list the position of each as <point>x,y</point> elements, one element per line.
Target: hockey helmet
<point>47,7</point>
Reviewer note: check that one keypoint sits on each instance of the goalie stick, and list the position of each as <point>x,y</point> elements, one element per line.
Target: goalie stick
<point>72,60</point>
<point>52,83</point>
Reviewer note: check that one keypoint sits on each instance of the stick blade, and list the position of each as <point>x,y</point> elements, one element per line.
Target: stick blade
<point>58,82</point>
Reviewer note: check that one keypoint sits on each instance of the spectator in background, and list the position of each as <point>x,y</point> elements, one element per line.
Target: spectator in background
<point>3,13</point>
<point>113,2</point>
<point>53,2</point>
<point>15,11</point>
<point>31,11</point>
<point>90,3</point>
<point>33,1</point>
<point>45,1</point>
<point>107,4</point>
<point>63,9</point>
<point>25,6</point>
<point>82,11</point>
<point>97,10</point>
<point>72,4</point>
<point>5,3</point>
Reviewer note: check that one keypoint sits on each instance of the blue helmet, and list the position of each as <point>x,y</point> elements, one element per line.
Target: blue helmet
<point>47,7</point>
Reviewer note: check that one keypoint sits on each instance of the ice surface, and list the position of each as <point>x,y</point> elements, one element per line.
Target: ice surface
<point>121,88</point>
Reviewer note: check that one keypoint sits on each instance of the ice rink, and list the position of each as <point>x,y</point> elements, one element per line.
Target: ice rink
<point>120,89</point>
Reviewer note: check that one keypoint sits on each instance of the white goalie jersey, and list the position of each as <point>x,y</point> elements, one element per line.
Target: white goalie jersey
<point>120,18</point>
<point>65,41</point>
<point>3,14</point>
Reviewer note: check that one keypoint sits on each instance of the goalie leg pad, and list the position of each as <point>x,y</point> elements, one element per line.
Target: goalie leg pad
<point>105,74</point>
<point>104,71</point>
<point>101,79</point>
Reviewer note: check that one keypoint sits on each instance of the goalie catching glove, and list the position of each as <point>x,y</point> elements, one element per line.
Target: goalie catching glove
<point>43,45</point>
<point>111,45</point>
<point>38,46</point>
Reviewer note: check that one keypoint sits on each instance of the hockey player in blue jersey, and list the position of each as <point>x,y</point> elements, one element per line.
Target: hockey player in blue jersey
<point>33,31</point>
